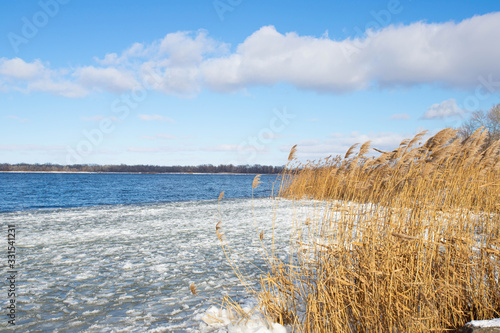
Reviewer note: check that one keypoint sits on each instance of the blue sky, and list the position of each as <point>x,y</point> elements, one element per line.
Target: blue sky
<point>236,81</point>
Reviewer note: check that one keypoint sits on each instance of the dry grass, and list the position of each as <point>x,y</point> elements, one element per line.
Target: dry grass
<point>407,241</point>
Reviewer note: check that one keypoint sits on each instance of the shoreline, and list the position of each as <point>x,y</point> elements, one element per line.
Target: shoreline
<point>146,173</point>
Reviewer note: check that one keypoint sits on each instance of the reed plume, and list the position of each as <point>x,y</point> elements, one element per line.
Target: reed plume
<point>192,287</point>
<point>293,151</point>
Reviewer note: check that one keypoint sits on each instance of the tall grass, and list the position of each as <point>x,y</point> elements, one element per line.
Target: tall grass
<point>405,241</point>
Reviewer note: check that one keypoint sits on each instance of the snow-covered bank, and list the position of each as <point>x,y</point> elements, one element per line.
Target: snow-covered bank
<point>485,323</point>
<point>481,326</point>
<point>217,320</point>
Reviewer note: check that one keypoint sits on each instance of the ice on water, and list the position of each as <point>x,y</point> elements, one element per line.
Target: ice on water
<point>128,268</point>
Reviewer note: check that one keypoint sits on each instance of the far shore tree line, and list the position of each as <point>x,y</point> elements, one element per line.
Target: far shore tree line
<point>205,168</point>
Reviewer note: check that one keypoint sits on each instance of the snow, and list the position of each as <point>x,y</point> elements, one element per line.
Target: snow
<point>227,321</point>
<point>485,323</point>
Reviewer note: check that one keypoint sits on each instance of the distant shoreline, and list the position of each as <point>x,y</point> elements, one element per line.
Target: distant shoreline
<point>145,173</point>
<point>142,169</point>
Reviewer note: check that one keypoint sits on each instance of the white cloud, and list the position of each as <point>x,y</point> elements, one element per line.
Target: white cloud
<point>268,57</point>
<point>28,77</point>
<point>182,81</point>
<point>108,79</point>
<point>452,54</point>
<point>184,48</point>
<point>155,117</point>
<point>61,88</point>
<point>400,116</point>
<point>19,69</point>
<point>110,59</point>
<point>176,59</point>
<point>445,109</point>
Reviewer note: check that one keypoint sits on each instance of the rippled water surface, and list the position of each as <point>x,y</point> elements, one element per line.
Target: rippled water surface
<point>21,191</point>
<point>127,267</point>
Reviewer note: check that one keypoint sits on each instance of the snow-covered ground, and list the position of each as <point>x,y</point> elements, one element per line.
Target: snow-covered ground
<point>218,320</point>
<point>485,323</point>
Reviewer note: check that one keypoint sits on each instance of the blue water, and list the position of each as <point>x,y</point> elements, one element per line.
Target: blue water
<point>24,191</point>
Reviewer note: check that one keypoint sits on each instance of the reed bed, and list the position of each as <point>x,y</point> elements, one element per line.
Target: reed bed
<point>403,241</point>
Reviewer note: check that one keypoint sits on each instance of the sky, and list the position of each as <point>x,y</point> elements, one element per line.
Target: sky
<point>185,82</point>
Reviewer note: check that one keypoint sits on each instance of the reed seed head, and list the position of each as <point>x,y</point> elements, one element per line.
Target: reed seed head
<point>293,151</point>
<point>192,287</point>
<point>350,151</point>
<point>256,181</point>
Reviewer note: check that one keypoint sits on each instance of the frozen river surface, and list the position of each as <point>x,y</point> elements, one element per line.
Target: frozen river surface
<point>128,268</point>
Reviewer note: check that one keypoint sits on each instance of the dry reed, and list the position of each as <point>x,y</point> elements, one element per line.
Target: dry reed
<point>406,241</point>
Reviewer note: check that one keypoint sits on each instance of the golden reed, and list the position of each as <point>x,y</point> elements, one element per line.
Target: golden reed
<point>405,241</point>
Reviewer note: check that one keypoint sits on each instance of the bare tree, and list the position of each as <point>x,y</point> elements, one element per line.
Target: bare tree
<point>489,120</point>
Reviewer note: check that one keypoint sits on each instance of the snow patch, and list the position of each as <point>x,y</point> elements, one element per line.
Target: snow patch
<point>222,318</point>
<point>485,323</point>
